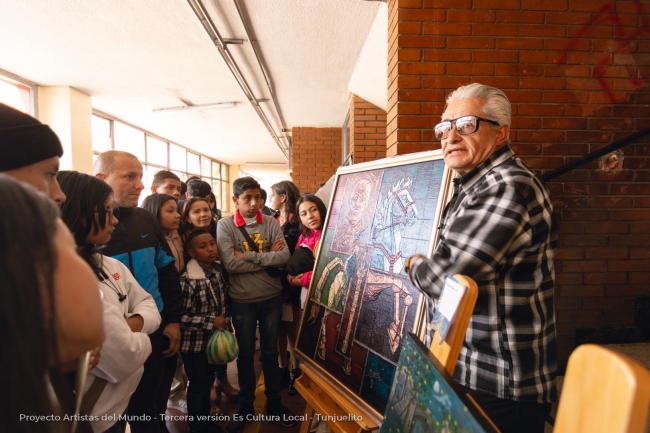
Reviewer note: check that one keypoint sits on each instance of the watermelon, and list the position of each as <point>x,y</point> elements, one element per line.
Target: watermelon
<point>222,348</point>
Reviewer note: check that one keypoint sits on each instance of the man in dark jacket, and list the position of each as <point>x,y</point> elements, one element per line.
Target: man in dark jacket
<point>138,243</point>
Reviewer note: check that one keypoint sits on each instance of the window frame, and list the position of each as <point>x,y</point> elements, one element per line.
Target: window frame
<point>33,89</point>
<point>224,206</point>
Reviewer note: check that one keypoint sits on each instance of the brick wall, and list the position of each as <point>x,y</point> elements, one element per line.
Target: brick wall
<point>315,156</point>
<point>577,73</point>
<point>367,130</point>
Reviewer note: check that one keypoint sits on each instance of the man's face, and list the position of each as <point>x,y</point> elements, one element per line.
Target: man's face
<point>464,152</point>
<point>170,186</point>
<point>126,181</point>
<point>42,176</point>
<point>249,202</point>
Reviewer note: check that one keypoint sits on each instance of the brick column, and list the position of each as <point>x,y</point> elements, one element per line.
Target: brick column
<point>577,73</point>
<point>315,156</point>
<point>367,130</point>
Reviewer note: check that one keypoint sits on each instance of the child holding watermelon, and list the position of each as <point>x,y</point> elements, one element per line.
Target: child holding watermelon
<point>205,311</point>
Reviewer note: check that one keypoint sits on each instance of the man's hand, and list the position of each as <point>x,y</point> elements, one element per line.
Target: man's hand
<point>221,323</point>
<point>135,322</point>
<point>413,258</point>
<point>239,254</point>
<point>278,245</point>
<point>173,332</point>
<point>94,357</point>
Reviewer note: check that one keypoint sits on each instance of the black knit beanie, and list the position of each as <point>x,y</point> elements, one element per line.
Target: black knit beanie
<point>24,140</point>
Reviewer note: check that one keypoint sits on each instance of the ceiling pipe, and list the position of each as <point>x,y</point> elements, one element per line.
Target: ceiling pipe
<point>259,62</point>
<point>221,44</point>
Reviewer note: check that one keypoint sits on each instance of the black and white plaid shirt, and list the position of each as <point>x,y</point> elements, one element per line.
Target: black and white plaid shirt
<point>499,230</point>
<point>204,298</point>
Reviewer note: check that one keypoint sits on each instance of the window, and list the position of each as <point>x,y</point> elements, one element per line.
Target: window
<point>18,93</point>
<point>101,133</point>
<point>193,163</point>
<point>157,154</point>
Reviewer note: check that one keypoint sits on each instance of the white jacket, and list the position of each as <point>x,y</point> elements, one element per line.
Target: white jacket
<point>124,352</point>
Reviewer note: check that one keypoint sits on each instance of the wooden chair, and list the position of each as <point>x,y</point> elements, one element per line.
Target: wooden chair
<point>447,352</point>
<point>603,391</point>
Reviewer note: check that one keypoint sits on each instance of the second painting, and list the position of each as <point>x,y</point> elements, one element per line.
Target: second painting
<point>361,304</point>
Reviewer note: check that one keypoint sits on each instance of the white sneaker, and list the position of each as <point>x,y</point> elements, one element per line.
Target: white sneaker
<point>315,422</point>
<point>323,428</point>
<point>178,403</point>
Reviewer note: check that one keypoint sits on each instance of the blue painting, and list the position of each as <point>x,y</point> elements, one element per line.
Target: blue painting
<point>361,304</point>
<point>424,398</point>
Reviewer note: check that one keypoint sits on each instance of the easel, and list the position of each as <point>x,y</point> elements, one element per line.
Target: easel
<point>327,401</point>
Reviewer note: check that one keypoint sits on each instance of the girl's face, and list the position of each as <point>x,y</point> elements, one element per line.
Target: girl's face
<point>200,215</point>
<point>211,202</point>
<point>103,235</point>
<point>277,200</point>
<point>309,215</point>
<point>170,219</point>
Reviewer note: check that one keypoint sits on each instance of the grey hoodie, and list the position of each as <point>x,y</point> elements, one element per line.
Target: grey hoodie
<point>249,282</point>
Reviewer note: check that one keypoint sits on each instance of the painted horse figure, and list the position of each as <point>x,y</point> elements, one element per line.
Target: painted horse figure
<point>395,211</point>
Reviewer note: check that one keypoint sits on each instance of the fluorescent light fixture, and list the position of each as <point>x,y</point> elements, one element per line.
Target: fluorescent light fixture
<point>198,107</point>
<point>266,163</point>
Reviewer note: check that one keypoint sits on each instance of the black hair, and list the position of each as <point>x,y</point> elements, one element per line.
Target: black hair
<point>183,189</point>
<point>84,210</point>
<point>263,194</point>
<point>242,184</point>
<point>322,210</point>
<point>28,261</point>
<point>292,192</point>
<point>198,188</point>
<point>193,235</point>
<point>160,176</point>
<point>185,224</point>
<point>154,202</point>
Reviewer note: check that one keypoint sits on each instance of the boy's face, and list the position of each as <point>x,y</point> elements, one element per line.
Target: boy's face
<point>203,249</point>
<point>249,202</point>
<point>169,186</point>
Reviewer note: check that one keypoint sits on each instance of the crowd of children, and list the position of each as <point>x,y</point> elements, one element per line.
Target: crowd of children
<point>171,273</point>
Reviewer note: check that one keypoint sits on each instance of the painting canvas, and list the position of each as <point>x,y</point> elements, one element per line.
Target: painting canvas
<point>425,399</point>
<point>361,304</point>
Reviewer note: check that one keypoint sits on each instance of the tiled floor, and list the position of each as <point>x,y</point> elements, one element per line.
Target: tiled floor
<point>295,403</point>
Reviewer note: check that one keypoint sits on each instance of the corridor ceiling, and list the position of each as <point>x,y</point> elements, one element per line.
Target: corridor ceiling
<point>133,56</point>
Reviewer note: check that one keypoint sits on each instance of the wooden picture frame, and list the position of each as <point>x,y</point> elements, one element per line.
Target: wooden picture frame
<point>361,304</point>
<point>425,398</point>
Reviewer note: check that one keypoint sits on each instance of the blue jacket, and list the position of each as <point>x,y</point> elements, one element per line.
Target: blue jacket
<point>139,244</point>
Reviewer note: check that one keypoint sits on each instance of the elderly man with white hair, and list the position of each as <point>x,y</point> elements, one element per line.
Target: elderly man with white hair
<point>499,230</point>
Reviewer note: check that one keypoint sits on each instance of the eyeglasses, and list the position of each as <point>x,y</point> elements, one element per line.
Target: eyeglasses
<point>110,212</point>
<point>464,125</point>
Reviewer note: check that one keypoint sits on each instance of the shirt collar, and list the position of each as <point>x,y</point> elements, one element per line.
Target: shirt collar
<point>208,272</point>
<point>497,158</point>
<point>240,222</point>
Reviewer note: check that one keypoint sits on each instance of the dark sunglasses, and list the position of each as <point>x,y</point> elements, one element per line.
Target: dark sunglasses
<point>464,125</point>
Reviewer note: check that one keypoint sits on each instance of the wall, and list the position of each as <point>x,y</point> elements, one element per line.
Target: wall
<point>367,130</point>
<point>315,157</point>
<point>68,112</point>
<point>576,72</point>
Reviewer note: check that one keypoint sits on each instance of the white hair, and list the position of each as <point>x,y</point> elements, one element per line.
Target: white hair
<point>497,105</point>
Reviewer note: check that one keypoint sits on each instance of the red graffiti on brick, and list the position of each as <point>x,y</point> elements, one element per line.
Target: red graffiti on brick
<point>623,44</point>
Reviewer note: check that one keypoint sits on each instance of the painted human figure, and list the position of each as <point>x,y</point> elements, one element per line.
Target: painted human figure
<point>352,224</point>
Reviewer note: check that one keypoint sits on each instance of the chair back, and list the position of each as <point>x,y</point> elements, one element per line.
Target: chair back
<point>603,391</point>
